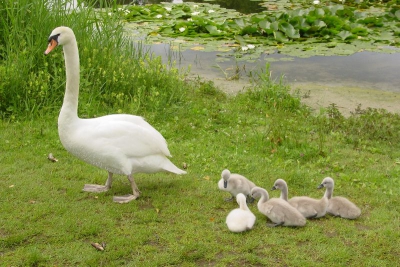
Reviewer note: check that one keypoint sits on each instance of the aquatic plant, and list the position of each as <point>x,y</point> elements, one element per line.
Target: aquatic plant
<point>322,25</point>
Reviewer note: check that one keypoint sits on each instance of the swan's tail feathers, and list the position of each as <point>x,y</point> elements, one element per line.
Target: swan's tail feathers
<point>172,168</point>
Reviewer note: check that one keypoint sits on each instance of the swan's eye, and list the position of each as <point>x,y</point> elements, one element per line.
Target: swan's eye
<point>54,37</point>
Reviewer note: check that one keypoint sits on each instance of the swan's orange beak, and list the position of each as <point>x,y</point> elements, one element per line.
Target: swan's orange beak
<point>52,44</point>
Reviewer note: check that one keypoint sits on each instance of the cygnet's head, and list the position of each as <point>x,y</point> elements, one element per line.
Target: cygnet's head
<point>256,192</point>
<point>225,175</point>
<point>279,184</point>
<point>327,183</point>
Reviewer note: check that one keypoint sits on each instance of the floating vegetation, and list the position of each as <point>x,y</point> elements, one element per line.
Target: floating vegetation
<point>320,29</point>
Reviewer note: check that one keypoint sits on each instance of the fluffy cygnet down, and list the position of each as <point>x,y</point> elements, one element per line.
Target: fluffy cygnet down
<point>308,207</point>
<point>278,210</point>
<point>235,183</point>
<point>240,219</point>
<point>339,206</point>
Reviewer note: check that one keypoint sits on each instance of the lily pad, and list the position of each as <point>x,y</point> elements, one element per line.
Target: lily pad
<point>300,28</point>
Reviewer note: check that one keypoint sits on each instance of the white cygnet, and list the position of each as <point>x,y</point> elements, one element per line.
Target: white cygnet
<point>240,219</point>
<point>307,206</point>
<point>235,183</point>
<point>339,206</point>
<point>278,210</point>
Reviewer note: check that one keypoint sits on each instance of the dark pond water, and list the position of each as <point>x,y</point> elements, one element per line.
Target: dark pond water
<point>365,70</point>
<point>370,70</point>
<point>243,6</point>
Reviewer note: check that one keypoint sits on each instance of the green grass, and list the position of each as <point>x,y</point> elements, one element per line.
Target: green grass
<point>180,220</point>
<point>265,133</point>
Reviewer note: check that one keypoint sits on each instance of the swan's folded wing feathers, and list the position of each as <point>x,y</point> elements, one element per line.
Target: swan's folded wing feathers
<point>133,139</point>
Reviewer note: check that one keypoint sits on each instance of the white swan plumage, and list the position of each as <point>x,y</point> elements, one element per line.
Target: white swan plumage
<point>120,143</point>
<point>240,219</point>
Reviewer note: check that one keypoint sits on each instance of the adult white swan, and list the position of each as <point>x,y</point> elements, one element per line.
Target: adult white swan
<point>120,143</point>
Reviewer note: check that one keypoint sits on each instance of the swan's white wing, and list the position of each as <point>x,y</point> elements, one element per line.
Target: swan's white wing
<point>130,139</point>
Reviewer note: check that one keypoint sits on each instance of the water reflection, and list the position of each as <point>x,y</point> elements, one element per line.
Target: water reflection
<point>364,69</point>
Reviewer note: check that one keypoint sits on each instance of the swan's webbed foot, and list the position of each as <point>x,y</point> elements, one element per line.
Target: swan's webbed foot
<point>95,188</point>
<point>99,188</point>
<point>126,198</point>
<point>229,199</point>
<point>312,216</point>
<point>275,224</point>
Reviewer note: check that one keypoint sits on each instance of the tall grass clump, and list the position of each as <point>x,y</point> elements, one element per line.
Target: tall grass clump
<point>113,70</point>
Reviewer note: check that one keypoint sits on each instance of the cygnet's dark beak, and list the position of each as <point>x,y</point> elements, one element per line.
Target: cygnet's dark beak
<point>320,186</point>
<point>225,184</point>
<point>273,188</point>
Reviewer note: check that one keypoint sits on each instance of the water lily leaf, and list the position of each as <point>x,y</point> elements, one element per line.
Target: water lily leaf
<point>275,25</point>
<point>372,21</point>
<point>360,31</point>
<point>319,24</point>
<point>280,37</point>
<point>298,12</point>
<point>385,36</point>
<point>213,30</point>
<point>289,30</point>
<point>265,25</point>
<point>197,48</point>
<point>397,14</point>
<point>344,34</point>
<point>240,40</point>
<point>334,8</point>
<point>319,12</point>
<point>250,29</point>
<point>239,22</point>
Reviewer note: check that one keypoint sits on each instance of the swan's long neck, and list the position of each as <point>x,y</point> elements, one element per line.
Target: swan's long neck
<point>328,192</point>
<point>264,196</point>
<point>69,109</point>
<point>243,205</point>
<point>284,193</point>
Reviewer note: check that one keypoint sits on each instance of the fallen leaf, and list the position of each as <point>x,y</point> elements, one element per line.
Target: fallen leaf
<point>98,246</point>
<point>52,158</point>
<point>206,177</point>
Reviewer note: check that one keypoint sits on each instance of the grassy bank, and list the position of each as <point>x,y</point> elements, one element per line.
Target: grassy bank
<point>263,133</point>
<point>180,220</point>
